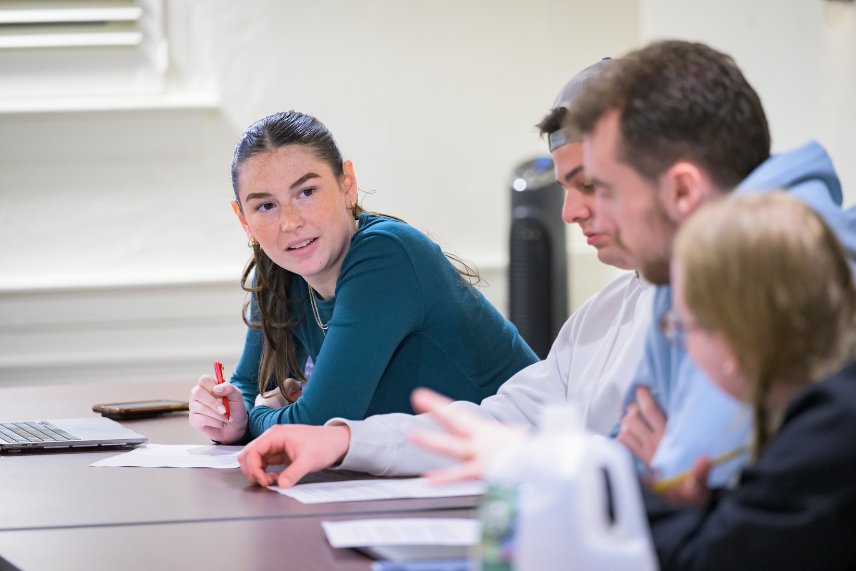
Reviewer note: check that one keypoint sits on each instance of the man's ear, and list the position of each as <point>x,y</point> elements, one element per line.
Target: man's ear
<point>243,220</point>
<point>684,187</point>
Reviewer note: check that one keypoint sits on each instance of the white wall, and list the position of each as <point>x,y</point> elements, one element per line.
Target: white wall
<point>118,249</point>
<point>121,332</point>
<point>800,55</point>
<point>434,102</point>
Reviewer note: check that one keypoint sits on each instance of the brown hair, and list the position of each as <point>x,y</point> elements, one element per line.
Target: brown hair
<point>552,121</point>
<point>271,283</point>
<point>767,273</point>
<point>680,101</point>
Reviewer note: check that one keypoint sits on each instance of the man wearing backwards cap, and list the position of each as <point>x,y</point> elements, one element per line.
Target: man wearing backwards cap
<point>587,365</point>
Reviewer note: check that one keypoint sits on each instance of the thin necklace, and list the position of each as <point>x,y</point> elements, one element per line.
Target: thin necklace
<point>323,326</point>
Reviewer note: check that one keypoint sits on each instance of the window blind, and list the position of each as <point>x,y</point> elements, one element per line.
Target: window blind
<point>70,23</point>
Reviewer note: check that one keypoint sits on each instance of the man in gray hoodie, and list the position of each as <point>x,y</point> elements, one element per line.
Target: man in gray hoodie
<point>671,127</point>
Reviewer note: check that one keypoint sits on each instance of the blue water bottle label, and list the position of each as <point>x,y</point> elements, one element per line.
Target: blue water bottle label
<point>498,514</point>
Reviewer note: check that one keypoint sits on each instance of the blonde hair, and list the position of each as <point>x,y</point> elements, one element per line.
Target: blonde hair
<point>769,275</point>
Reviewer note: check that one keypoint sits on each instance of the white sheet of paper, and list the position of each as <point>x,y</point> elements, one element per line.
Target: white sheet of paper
<point>176,456</point>
<point>407,531</point>
<point>360,490</point>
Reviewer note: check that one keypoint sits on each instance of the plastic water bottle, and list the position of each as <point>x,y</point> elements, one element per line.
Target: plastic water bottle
<point>578,501</point>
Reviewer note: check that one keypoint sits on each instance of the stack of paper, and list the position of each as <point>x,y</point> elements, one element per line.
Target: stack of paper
<point>406,531</point>
<point>176,456</point>
<point>360,490</point>
<point>411,539</point>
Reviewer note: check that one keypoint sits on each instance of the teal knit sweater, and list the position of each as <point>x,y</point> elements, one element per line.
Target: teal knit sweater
<point>401,318</point>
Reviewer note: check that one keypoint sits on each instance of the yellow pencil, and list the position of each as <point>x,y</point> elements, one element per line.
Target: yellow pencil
<point>669,483</point>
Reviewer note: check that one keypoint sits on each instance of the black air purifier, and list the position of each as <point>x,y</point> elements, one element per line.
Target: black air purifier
<point>538,266</point>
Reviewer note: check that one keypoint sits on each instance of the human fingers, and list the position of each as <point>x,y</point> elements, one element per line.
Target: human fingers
<point>292,390</point>
<point>252,464</point>
<point>450,419</point>
<point>204,402</point>
<point>265,477</point>
<point>202,387</point>
<point>701,471</point>
<point>630,439</point>
<point>269,479</point>
<point>635,420</point>
<point>304,448</point>
<point>299,467</point>
<point>272,399</point>
<point>271,393</point>
<point>295,391</point>
<point>651,411</point>
<point>633,423</point>
<point>196,406</point>
<point>206,382</point>
<point>260,477</point>
<point>458,473</point>
<point>237,409</point>
<point>201,421</point>
<point>264,451</point>
<point>203,417</point>
<point>642,442</point>
<point>426,400</point>
<point>693,490</point>
<point>443,444</point>
<point>632,443</point>
<point>229,391</point>
<point>634,432</point>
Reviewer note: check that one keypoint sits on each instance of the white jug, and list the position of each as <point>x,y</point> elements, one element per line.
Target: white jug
<point>579,504</point>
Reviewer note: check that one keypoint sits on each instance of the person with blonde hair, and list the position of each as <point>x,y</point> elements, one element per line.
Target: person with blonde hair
<point>765,300</point>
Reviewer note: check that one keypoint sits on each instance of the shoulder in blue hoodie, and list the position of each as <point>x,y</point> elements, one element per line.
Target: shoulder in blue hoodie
<point>703,420</point>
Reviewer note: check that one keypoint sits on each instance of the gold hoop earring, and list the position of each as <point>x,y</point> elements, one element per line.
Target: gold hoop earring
<point>253,242</point>
<point>353,204</point>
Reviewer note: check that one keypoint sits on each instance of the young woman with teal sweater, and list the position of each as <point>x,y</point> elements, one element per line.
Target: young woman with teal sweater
<point>374,303</point>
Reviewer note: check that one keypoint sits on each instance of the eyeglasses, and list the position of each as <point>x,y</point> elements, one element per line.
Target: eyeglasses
<point>673,328</point>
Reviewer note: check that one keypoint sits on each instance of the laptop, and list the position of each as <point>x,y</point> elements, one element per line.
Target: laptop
<point>66,433</point>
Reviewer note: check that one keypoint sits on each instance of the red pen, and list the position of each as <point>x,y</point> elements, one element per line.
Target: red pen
<point>218,372</point>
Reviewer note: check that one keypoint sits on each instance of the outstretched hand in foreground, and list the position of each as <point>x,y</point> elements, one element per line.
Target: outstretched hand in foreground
<point>468,438</point>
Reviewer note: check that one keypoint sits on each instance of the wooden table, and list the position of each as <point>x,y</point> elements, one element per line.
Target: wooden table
<point>257,544</point>
<point>97,514</point>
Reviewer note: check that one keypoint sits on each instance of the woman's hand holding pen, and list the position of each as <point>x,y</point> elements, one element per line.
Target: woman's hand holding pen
<point>303,448</point>
<point>208,415</point>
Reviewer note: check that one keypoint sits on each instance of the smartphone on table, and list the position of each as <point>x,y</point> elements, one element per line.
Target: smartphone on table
<point>140,409</point>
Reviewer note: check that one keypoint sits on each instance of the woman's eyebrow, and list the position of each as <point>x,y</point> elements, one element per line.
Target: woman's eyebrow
<point>304,178</point>
<point>298,182</point>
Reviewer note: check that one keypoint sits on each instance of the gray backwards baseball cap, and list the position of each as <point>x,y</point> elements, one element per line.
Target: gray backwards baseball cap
<point>569,95</point>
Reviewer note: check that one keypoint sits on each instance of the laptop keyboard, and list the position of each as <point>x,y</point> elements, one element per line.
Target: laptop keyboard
<point>18,432</point>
